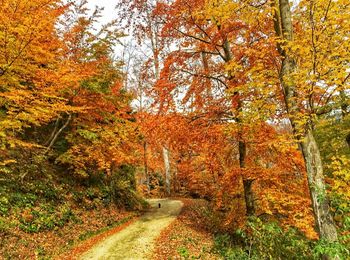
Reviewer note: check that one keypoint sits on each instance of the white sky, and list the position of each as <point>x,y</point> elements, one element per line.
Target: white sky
<point>109,12</point>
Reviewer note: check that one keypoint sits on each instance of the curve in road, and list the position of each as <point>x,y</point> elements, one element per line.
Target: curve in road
<point>137,240</point>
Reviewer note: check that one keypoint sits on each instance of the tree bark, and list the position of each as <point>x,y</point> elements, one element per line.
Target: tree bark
<point>344,105</point>
<point>249,197</point>
<point>323,218</point>
<point>145,164</point>
<point>53,132</point>
<point>167,169</point>
<point>247,183</point>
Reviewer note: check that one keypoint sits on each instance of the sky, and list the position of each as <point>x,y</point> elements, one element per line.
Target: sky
<point>109,12</point>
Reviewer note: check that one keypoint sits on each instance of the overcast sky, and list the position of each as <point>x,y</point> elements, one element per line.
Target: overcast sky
<point>109,12</point>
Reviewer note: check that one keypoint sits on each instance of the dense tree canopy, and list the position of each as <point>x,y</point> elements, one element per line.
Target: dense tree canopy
<point>242,103</point>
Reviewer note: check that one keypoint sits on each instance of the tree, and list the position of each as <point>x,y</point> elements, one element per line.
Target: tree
<point>225,68</point>
<point>61,90</point>
<point>145,27</point>
<point>103,136</point>
<point>193,66</point>
<point>30,73</point>
<point>303,130</point>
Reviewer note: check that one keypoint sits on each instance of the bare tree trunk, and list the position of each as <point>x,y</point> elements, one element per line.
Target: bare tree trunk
<point>323,218</point>
<point>347,139</point>
<point>175,180</point>
<point>156,62</point>
<point>249,197</point>
<point>247,183</point>
<point>344,105</point>
<point>167,169</point>
<point>53,132</point>
<point>58,133</point>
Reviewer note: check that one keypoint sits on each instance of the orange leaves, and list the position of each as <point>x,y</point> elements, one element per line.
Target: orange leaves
<point>55,68</point>
<point>28,58</point>
<point>188,233</point>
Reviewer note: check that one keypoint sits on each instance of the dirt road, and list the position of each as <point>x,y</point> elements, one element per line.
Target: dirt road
<point>136,241</point>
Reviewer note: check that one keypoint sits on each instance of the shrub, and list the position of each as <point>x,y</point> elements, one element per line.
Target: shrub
<point>23,200</point>
<point>331,249</point>
<point>4,206</point>
<point>4,226</point>
<point>123,189</point>
<point>183,252</point>
<point>224,245</point>
<point>45,218</point>
<point>264,241</point>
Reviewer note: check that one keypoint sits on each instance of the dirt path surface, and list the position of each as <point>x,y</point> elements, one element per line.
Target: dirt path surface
<point>136,241</point>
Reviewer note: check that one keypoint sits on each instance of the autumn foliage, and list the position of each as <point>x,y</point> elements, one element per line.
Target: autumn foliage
<point>236,119</point>
<point>242,103</point>
<point>60,77</point>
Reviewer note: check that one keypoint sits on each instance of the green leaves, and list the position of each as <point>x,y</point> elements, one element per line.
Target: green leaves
<point>332,249</point>
<point>89,135</point>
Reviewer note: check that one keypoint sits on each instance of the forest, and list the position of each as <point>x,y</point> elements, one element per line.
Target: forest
<point>239,109</point>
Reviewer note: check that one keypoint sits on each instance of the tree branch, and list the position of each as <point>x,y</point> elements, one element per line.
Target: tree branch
<point>58,133</point>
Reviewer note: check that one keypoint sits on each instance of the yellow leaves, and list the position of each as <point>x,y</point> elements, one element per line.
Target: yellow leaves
<point>268,211</point>
<point>49,71</point>
<point>218,11</point>
<point>101,147</point>
<point>7,123</point>
<point>321,45</point>
<point>340,162</point>
<point>27,27</point>
<point>7,162</point>
<point>340,168</point>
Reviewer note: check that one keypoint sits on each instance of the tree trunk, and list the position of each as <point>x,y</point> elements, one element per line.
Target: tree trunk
<point>247,183</point>
<point>145,164</point>
<point>53,132</point>
<point>58,133</point>
<point>344,105</point>
<point>242,151</point>
<point>323,218</point>
<point>167,169</point>
<point>249,197</point>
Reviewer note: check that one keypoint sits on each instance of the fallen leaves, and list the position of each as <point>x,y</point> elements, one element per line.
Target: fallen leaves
<point>186,237</point>
<point>17,244</point>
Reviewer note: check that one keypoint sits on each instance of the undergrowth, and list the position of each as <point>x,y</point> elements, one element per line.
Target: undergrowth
<point>270,241</point>
<point>51,201</point>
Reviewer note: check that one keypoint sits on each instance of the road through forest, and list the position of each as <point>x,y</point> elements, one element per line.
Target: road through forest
<point>137,240</point>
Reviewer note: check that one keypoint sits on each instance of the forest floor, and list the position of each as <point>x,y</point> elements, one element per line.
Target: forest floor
<point>188,237</point>
<point>137,240</point>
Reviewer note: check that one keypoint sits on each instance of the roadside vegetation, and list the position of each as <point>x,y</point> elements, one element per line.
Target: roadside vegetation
<point>49,214</point>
